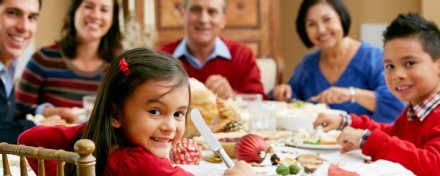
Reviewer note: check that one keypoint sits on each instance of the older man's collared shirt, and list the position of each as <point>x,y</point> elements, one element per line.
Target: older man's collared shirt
<point>220,50</point>
<point>7,76</point>
<point>422,109</point>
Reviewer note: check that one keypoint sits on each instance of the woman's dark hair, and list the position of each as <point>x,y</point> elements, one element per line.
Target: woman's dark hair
<point>144,65</point>
<point>339,7</point>
<point>110,44</point>
<point>412,25</point>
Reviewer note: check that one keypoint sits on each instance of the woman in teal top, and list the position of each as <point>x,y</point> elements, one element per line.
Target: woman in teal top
<point>344,73</point>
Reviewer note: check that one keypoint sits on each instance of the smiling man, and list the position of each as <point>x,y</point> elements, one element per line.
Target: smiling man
<point>18,23</point>
<point>225,66</point>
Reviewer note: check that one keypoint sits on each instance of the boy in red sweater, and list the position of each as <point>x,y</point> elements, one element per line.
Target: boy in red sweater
<point>412,73</point>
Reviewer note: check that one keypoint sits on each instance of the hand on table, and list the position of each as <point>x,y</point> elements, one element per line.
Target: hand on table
<point>333,95</point>
<point>63,113</point>
<point>282,92</point>
<point>240,168</point>
<point>330,121</point>
<point>220,86</point>
<point>349,139</point>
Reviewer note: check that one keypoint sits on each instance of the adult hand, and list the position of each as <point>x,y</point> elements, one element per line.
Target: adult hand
<point>52,120</point>
<point>333,95</point>
<point>349,139</point>
<point>240,168</point>
<point>64,113</point>
<point>330,121</point>
<point>282,92</point>
<point>220,86</point>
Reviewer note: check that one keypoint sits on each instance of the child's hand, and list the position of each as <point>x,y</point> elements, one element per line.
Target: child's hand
<point>349,139</point>
<point>330,121</point>
<point>240,168</point>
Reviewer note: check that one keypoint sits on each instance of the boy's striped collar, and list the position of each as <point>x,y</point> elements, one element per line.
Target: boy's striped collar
<point>422,109</point>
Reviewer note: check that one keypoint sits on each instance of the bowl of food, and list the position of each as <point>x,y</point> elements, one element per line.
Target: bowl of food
<point>227,140</point>
<point>229,148</point>
<point>293,120</point>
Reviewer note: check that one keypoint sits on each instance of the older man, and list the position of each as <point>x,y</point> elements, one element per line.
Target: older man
<point>18,23</point>
<point>225,66</point>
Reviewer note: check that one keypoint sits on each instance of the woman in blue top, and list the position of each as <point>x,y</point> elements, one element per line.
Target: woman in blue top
<point>344,73</point>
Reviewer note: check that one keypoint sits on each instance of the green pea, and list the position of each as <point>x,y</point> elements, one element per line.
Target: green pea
<point>294,169</point>
<point>283,170</point>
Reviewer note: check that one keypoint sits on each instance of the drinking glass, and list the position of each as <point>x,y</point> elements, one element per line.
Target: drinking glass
<point>88,103</point>
<point>262,117</point>
<point>243,100</point>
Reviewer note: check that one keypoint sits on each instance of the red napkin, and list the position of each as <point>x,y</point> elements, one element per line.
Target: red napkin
<point>337,171</point>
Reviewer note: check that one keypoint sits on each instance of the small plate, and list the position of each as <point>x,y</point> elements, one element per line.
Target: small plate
<point>315,146</point>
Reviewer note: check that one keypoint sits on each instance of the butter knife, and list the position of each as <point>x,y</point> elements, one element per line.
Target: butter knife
<point>209,137</point>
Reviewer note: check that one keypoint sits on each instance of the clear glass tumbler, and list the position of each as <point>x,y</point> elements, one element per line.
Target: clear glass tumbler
<point>88,103</point>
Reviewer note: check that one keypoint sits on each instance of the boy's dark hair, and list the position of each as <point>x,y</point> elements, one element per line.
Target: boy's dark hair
<point>110,44</point>
<point>337,5</point>
<point>413,25</point>
<point>39,2</point>
<point>144,65</point>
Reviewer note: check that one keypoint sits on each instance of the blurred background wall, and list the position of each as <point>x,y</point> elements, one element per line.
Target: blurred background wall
<point>50,22</point>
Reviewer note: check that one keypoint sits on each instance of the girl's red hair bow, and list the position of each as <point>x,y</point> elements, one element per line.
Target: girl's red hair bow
<point>123,66</point>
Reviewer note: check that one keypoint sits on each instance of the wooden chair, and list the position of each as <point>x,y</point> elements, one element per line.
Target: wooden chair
<point>82,157</point>
<point>271,70</point>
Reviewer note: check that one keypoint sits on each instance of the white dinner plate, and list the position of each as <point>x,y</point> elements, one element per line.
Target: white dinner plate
<point>315,146</point>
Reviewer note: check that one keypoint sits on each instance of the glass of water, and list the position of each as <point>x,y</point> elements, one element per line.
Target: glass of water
<point>262,117</point>
<point>243,100</point>
<point>88,103</point>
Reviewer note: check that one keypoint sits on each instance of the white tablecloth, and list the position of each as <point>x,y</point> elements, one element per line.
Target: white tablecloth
<point>352,161</point>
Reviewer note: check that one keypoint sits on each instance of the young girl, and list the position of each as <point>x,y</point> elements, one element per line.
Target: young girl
<point>63,73</point>
<point>138,116</point>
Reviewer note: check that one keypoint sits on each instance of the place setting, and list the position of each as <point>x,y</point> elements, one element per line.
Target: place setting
<point>272,147</point>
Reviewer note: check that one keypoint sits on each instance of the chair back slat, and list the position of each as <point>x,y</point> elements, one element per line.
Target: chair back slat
<point>271,72</point>
<point>41,170</point>
<point>6,171</point>
<point>82,157</point>
<point>23,166</point>
<point>60,168</point>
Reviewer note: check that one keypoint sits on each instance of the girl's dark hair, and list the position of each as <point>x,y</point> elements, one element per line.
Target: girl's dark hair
<point>339,7</point>
<point>144,65</point>
<point>413,25</point>
<point>110,44</point>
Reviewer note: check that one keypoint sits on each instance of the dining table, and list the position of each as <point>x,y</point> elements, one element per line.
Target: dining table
<point>353,161</point>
